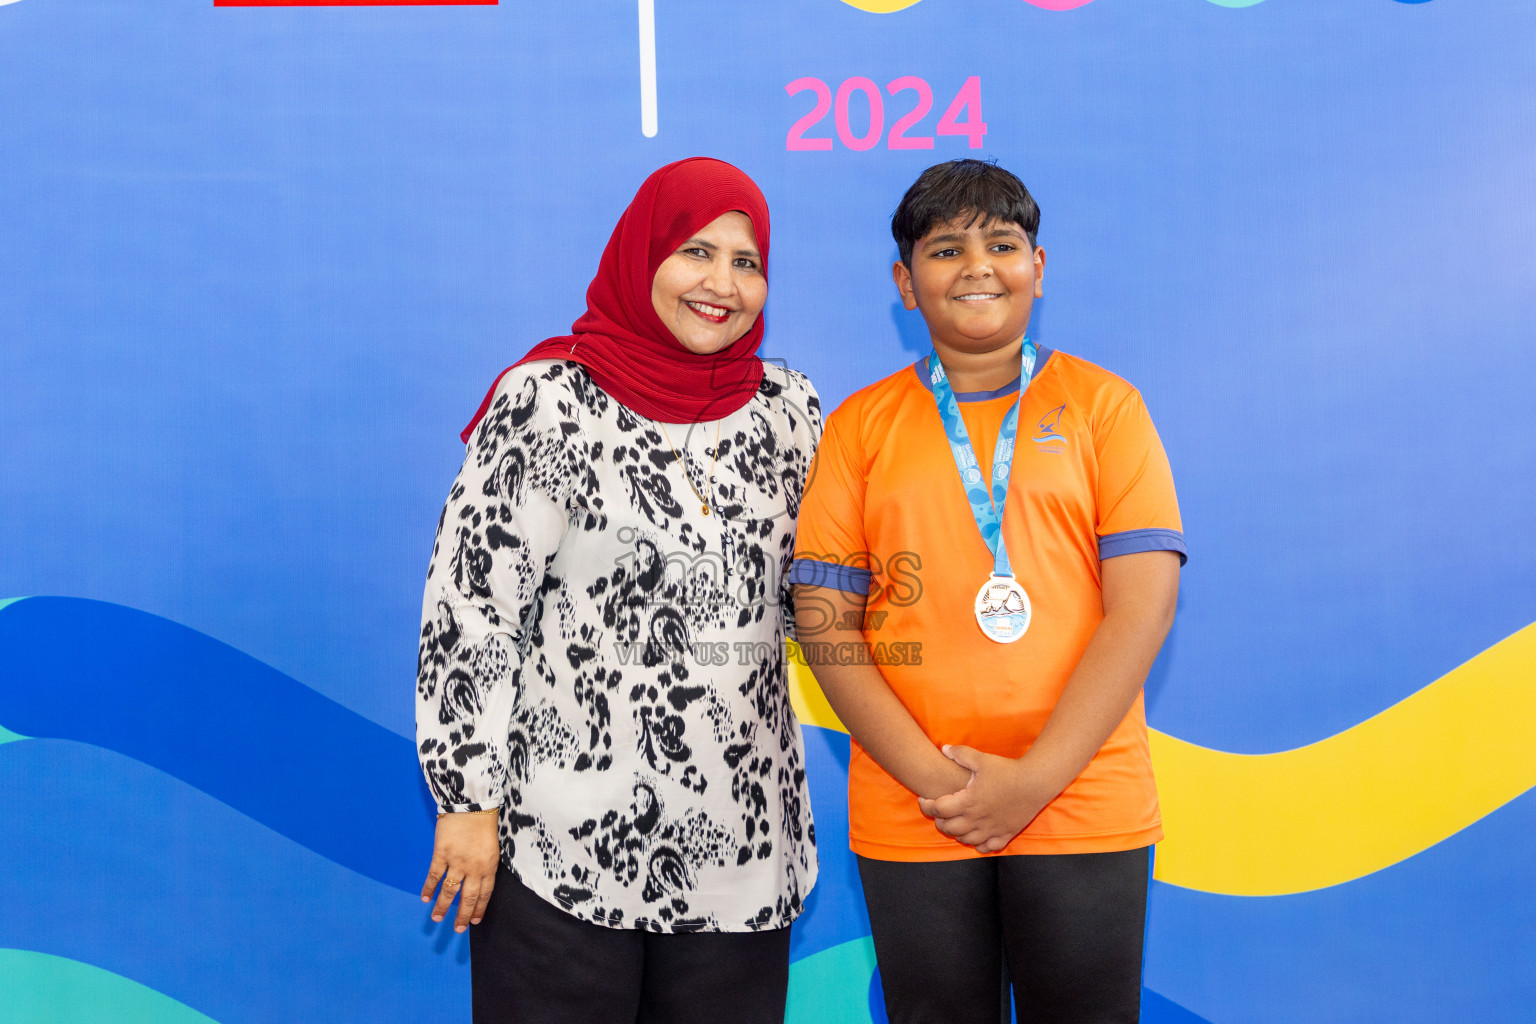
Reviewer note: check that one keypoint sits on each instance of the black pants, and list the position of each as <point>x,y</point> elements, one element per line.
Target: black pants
<point>1065,930</point>
<point>532,963</point>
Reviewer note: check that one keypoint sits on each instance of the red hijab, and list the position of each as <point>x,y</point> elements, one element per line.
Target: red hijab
<point>622,342</point>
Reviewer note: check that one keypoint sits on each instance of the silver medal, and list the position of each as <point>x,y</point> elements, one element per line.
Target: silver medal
<point>1002,609</point>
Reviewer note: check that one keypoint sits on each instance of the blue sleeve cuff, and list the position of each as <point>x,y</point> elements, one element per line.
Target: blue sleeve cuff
<point>847,578</point>
<point>1133,542</point>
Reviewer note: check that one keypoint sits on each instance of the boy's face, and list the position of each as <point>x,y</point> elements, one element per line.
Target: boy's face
<point>975,284</point>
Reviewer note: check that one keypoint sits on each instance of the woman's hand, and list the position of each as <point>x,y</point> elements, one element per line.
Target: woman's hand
<point>465,853</point>
<point>1002,797</point>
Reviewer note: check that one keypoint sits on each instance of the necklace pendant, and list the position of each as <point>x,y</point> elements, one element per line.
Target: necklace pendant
<point>704,509</point>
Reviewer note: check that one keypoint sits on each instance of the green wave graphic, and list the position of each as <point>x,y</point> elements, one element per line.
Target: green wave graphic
<point>39,988</point>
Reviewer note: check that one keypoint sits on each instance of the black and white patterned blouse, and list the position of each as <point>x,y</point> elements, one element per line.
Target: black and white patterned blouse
<point>606,663</point>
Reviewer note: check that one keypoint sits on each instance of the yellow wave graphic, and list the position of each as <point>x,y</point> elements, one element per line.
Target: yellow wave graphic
<point>1343,807</point>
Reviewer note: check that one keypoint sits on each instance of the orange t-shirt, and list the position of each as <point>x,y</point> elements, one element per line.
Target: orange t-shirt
<point>885,512</point>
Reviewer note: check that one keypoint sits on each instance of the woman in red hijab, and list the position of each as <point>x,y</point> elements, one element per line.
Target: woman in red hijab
<point>602,704</point>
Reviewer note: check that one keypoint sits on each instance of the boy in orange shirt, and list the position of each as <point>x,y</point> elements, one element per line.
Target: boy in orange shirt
<point>1003,518</point>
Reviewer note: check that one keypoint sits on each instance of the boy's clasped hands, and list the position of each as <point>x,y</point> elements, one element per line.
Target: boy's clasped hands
<point>1003,796</point>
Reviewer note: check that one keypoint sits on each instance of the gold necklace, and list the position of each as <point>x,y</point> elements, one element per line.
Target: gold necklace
<point>703,501</point>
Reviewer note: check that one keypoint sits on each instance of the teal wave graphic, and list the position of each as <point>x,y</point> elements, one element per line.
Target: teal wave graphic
<point>38,988</point>
<point>832,987</point>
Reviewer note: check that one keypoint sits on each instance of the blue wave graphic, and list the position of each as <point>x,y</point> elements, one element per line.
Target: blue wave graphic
<point>1157,1009</point>
<point>834,911</point>
<point>115,864</point>
<point>301,764</point>
<point>1442,936</point>
<point>247,847</point>
<point>222,721</point>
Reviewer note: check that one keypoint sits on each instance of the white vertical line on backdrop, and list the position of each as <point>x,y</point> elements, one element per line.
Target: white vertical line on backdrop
<point>648,68</point>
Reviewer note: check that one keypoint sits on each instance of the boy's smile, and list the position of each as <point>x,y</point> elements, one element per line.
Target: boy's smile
<point>975,283</point>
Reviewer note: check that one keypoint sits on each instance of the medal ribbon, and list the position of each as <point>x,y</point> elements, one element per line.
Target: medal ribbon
<point>987,509</point>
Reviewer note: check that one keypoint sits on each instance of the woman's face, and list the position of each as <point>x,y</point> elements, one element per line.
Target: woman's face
<point>711,290</point>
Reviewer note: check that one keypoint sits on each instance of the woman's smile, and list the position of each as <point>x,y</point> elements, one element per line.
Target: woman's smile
<point>714,314</point>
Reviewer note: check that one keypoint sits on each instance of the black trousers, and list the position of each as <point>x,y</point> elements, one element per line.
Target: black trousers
<point>1064,930</point>
<point>532,963</point>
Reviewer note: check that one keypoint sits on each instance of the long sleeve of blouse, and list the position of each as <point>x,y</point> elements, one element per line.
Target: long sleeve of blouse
<point>504,520</point>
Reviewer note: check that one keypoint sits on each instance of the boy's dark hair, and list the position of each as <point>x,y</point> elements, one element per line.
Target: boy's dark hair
<point>950,190</point>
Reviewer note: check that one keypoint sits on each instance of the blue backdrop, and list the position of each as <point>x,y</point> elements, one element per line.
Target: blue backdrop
<point>259,263</point>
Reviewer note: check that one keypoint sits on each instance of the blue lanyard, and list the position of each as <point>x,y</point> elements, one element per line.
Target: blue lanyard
<point>986,509</point>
